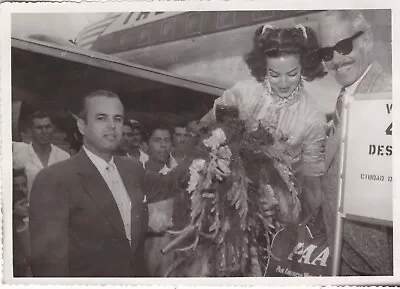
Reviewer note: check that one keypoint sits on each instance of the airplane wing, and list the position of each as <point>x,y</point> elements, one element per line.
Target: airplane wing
<point>106,62</point>
<point>53,77</point>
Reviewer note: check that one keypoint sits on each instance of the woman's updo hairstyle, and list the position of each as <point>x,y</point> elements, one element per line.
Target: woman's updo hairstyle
<point>277,42</point>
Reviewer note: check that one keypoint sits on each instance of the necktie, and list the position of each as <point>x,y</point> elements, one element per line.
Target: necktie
<point>338,112</point>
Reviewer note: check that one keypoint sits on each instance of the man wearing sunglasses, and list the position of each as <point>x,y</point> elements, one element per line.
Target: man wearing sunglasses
<point>347,41</point>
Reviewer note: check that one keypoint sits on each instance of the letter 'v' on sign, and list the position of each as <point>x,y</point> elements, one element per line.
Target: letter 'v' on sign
<point>389,107</point>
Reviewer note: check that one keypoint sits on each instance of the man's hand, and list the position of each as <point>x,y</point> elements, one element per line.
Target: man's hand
<point>268,201</point>
<point>21,208</point>
<point>160,216</point>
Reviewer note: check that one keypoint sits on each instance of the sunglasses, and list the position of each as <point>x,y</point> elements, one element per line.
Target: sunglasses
<point>343,47</point>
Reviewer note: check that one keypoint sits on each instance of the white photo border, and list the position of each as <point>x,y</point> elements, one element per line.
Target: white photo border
<point>7,9</point>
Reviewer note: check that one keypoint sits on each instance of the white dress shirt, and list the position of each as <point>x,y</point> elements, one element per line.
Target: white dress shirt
<point>347,97</point>
<point>24,156</point>
<point>143,157</point>
<point>111,176</point>
<point>172,163</point>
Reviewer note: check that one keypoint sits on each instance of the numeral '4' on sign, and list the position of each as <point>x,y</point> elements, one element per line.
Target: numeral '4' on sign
<point>389,129</point>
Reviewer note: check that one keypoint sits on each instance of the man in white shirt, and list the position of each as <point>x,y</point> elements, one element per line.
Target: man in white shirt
<point>347,41</point>
<point>160,162</point>
<point>159,142</point>
<point>88,215</point>
<point>126,140</point>
<point>130,144</point>
<point>138,147</point>
<point>180,141</point>
<point>40,153</point>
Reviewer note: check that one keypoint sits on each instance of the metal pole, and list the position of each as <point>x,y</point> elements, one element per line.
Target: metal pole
<point>337,245</point>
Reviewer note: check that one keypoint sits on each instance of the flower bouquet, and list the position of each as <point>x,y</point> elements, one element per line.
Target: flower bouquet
<point>239,191</point>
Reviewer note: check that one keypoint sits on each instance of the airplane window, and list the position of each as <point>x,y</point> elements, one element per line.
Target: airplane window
<point>167,29</point>
<point>144,36</point>
<point>142,15</point>
<point>259,15</point>
<point>128,18</point>
<point>194,23</point>
<point>286,13</point>
<point>226,19</point>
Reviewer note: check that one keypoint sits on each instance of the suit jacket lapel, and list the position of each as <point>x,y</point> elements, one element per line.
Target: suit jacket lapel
<point>367,83</point>
<point>95,186</point>
<point>332,147</point>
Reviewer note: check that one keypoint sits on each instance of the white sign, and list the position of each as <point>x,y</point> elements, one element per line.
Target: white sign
<point>367,171</point>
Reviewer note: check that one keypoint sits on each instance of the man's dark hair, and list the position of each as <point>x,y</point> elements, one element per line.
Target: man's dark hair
<point>82,113</point>
<point>157,125</point>
<point>181,124</point>
<point>39,114</point>
<point>127,123</point>
<point>20,172</point>
<point>18,195</point>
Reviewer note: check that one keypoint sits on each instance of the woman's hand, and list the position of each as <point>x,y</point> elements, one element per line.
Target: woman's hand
<point>268,205</point>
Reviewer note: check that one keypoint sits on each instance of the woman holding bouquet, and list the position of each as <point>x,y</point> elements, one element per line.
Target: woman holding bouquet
<point>281,59</point>
<point>265,157</point>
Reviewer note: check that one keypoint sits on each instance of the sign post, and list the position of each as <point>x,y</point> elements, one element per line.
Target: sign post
<point>365,182</point>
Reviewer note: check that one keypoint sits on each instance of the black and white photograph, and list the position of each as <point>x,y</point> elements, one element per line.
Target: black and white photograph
<point>198,143</point>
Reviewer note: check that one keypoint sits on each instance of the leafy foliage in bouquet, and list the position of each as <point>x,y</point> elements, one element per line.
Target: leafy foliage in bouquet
<point>229,224</point>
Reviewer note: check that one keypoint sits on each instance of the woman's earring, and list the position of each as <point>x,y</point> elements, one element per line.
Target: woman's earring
<point>267,85</point>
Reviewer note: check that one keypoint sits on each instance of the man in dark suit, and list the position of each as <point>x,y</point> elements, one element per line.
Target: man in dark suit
<point>367,248</point>
<point>88,214</point>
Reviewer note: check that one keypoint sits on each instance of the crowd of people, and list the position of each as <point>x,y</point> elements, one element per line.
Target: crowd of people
<point>104,212</point>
